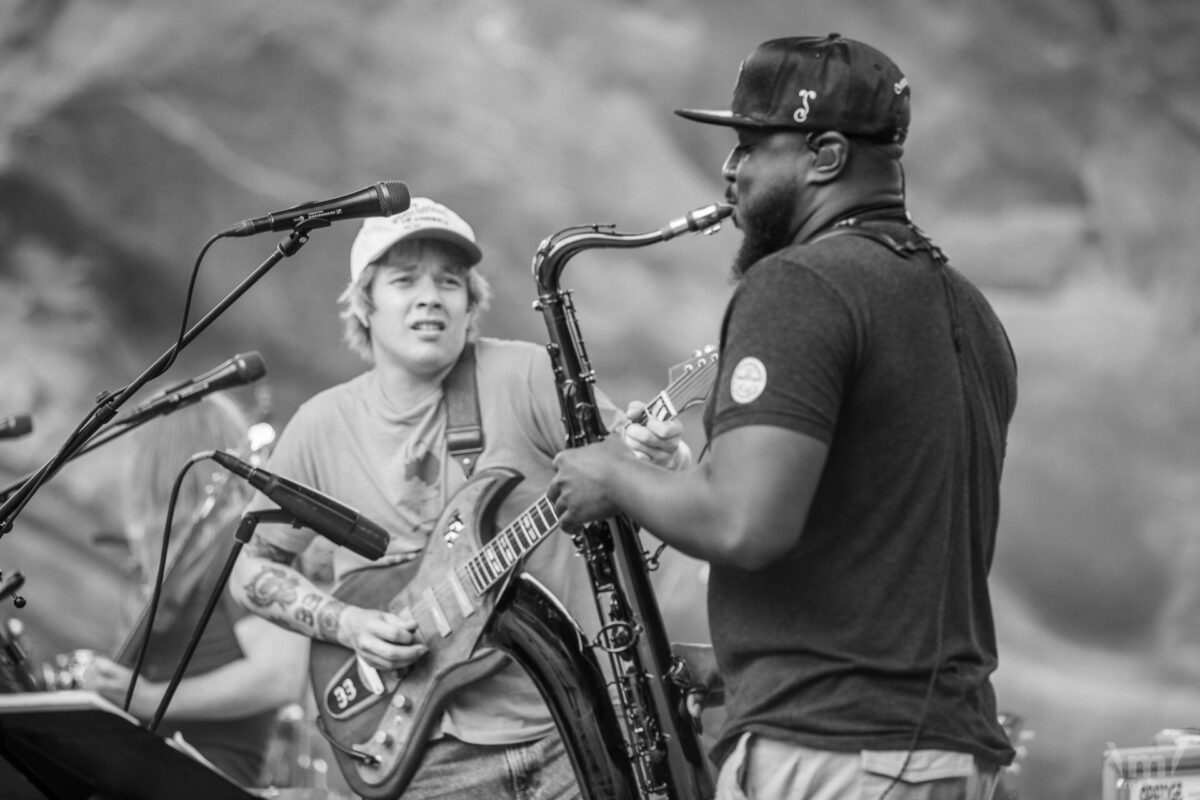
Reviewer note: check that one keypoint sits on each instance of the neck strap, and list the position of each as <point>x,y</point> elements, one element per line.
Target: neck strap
<point>464,430</point>
<point>855,225</point>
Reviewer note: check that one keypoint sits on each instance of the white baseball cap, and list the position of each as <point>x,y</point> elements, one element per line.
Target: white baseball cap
<point>423,219</point>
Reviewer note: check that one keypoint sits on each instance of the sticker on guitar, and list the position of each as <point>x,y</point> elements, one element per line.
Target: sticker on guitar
<point>378,731</point>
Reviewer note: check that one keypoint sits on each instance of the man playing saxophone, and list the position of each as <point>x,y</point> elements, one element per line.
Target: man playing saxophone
<point>378,443</point>
<point>849,505</point>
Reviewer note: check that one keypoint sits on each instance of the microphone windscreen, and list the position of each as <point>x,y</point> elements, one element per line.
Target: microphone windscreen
<point>393,198</point>
<point>250,366</point>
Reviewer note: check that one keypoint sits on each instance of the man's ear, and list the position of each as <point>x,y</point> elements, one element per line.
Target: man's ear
<point>831,151</point>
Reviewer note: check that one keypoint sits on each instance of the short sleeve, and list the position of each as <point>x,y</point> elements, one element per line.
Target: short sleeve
<point>790,343</point>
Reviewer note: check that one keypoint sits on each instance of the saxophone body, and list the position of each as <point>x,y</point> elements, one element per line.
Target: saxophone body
<point>625,728</point>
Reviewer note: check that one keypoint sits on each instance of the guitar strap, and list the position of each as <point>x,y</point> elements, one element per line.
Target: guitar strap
<point>464,430</point>
<point>464,441</point>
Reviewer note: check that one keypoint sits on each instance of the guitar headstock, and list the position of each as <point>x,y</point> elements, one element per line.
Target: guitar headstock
<point>692,380</point>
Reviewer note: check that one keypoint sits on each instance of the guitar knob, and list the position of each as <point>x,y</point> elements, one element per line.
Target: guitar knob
<point>401,703</point>
<point>383,739</point>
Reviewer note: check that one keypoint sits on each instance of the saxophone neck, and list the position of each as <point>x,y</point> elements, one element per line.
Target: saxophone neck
<point>554,252</point>
<point>706,220</point>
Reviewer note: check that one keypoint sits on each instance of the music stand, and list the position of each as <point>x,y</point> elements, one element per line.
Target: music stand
<point>75,745</point>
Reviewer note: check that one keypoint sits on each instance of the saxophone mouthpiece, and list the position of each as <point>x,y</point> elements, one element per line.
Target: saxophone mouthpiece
<point>706,219</point>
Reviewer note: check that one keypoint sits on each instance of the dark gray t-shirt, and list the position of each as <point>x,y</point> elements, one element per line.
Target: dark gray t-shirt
<point>833,646</point>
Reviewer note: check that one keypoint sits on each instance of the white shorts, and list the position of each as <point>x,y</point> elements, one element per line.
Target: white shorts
<point>761,768</point>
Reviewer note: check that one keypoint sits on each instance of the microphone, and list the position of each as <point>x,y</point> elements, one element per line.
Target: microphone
<point>378,200</point>
<point>339,524</point>
<point>12,427</point>
<point>238,371</point>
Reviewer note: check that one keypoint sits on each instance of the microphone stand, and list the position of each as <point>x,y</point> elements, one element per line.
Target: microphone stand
<point>102,438</point>
<point>108,405</point>
<point>244,531</point>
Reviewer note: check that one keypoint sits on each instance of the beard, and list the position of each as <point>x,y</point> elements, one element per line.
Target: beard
<point>766,227</point>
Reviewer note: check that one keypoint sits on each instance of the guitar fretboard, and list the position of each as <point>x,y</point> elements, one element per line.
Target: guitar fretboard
<point>497,558</point>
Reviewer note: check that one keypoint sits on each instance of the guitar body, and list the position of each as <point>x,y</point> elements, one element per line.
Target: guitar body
<point>391,729</point>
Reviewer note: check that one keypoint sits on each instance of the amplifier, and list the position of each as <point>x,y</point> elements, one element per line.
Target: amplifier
<point>1167,770</point>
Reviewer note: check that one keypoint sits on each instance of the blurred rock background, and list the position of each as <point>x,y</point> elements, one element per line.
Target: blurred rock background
<point>1053,154</point>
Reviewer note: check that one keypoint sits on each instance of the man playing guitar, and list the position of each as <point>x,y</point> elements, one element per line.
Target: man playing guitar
<point>378,442</point>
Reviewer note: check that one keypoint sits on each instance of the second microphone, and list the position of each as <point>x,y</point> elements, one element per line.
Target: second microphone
<point>338,523</point>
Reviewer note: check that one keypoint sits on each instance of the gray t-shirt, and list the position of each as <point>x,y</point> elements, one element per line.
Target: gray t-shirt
<point>391,465</point>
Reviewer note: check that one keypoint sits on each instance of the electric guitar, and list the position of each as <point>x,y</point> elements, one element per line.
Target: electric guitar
<point>378,723</point>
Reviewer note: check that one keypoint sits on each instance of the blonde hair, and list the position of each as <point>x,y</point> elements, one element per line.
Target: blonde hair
<point>356,303</point>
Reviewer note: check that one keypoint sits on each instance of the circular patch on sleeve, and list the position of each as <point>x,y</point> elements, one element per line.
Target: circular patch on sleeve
<point>748,381</point>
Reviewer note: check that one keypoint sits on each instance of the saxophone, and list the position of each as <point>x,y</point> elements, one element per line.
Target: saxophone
<point>628,735</point>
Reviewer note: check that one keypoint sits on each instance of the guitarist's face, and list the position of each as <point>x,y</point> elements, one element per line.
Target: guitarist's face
<point>422,313</point>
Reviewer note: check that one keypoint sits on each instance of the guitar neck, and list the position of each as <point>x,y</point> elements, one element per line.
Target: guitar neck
<point>499,556</point>
<point>506,549</point>
<point>690,388</point>
<point>660,407</point>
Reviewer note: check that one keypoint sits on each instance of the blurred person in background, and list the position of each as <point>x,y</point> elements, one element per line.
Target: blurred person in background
<point>857,434</point>
<point>244,669</point>
<point>378,443</point>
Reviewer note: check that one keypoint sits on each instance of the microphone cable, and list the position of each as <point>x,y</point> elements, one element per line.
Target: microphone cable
<point>160,574</point>
<point>967,428</point>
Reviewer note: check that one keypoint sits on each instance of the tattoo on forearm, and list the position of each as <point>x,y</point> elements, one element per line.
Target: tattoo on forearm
<point>271,586</point>
<point>304,614</point>
<point>301,607</point>
<point>327,619</point>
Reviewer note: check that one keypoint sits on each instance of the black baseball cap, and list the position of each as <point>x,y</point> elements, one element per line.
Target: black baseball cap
<point>817,83</point>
